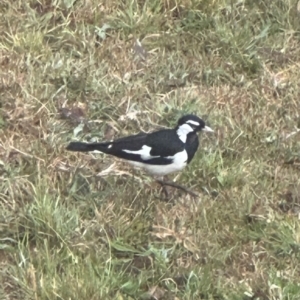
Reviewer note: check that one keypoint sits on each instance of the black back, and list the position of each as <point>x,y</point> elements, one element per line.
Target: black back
<point>164,144</point>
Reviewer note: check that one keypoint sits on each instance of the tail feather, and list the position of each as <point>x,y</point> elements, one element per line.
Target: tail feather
<point>86,147</point>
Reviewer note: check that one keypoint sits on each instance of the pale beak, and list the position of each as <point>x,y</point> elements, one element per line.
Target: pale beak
<point>207,129</point>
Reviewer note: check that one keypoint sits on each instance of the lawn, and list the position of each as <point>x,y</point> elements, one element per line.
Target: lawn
<point>80,226</point>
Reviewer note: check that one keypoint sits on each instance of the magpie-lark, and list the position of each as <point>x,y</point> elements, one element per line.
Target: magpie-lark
<point>160,152</point>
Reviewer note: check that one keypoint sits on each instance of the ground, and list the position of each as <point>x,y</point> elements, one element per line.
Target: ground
<point>80,226</point>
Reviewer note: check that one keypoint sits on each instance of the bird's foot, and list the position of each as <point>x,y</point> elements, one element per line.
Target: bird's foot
<point>164,185</point>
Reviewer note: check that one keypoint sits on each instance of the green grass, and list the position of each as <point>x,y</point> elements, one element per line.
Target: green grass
<point>78,226</point>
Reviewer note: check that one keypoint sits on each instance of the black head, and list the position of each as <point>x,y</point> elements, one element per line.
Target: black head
<point>196,123</point>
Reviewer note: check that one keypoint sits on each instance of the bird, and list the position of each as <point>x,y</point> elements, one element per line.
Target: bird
<point>160,152</point>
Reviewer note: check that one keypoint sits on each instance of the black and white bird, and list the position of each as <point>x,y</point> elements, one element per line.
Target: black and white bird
<point>158,153</point>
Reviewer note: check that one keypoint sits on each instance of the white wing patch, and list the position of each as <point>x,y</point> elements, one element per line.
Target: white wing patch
<point>144,152</point>
<point>184,130</point>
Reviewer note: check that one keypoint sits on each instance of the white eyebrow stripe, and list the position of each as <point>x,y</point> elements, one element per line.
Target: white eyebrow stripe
<point>144,152</point>
<point>193,122</point>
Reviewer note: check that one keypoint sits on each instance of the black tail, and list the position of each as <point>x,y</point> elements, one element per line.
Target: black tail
<point>85,147</point>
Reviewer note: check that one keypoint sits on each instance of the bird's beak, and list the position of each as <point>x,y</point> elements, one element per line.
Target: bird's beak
<point>207,129</point>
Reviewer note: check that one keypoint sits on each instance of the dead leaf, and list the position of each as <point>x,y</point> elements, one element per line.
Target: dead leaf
<point>156,292</point>
<point>75,113</point>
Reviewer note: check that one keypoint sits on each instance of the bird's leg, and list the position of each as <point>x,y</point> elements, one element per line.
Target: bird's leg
<point>161,181</point>
<point>132,179</point>
<point>175,185</point>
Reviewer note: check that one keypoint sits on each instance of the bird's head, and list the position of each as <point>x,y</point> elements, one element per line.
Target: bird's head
<point>193,123</point>
<point>190,123</point>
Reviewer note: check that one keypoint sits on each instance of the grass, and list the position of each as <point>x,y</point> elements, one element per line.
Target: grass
<point>78,226</point>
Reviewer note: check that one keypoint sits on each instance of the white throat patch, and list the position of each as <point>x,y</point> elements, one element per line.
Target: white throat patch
<point>183,130</point>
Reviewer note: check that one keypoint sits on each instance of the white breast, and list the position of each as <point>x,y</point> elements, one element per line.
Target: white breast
<point>179,161</point>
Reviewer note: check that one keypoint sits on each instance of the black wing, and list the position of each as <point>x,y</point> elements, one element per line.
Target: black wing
<point>132,142</point>
<point>164,144</point>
